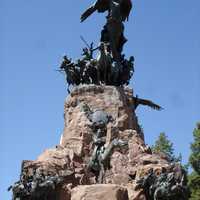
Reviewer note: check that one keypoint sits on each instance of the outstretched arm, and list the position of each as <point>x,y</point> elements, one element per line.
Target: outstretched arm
<point>145,102</point>
<point>150,104</point>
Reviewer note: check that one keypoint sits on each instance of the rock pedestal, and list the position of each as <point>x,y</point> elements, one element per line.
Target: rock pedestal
<point>100,192</point>
<point>68,160</point>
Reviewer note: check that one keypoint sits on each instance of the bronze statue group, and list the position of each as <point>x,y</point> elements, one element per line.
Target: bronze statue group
<point>166,185</point>
<point>109,67</point>
<point>101,154</point>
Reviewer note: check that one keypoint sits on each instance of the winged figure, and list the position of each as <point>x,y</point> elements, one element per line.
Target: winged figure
<point>104,5</point>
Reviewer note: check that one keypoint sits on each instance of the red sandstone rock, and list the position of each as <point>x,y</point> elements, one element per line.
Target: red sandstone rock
<point>69,159</point>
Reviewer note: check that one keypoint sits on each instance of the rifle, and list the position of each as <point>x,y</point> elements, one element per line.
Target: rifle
<point>90,47</point>
<point>84,41</point>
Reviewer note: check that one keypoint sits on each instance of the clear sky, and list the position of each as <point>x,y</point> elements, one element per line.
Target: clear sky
<point>164,37</point>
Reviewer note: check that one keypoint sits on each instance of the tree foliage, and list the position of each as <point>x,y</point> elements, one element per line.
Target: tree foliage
<point>164,145</point>
<point>194,161</point>
<point>195,148</point>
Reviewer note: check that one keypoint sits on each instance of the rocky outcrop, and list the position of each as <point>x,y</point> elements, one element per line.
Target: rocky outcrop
<point>62,172</point>
<point>115,101</point>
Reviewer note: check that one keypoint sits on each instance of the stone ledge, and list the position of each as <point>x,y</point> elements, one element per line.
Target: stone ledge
<point>99,192</point>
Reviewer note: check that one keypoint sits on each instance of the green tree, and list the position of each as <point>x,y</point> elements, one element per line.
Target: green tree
<point>164,145</point>
<point>195,148</point>
<point>194,161</point>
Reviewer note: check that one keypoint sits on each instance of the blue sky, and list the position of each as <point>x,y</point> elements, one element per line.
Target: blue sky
<point>164,37</point>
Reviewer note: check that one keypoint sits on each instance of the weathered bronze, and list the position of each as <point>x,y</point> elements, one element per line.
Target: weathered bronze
<point>109,67</point>
<point>38,186</point>
<point>165,186</point>
<point>138,101</point>
<point>100,159</point>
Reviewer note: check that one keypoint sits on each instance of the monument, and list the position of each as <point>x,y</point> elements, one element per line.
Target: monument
<point>102,154</point>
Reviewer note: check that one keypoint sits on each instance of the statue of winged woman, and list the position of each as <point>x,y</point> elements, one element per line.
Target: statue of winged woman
<point>113,31</point>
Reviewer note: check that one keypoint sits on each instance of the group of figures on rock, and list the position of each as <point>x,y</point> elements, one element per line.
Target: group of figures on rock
<point>38,185</point>
<point>170,184</point>
<point>110,67</point>
<point>100,157</point>
<point>165,186</point>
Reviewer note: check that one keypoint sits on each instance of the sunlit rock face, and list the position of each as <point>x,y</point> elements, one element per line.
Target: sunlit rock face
<point>116,101</point>
<point>62,172</point>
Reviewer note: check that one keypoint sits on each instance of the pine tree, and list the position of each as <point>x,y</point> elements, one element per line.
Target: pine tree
<point>164,145</point>
<point>195,148</point>
<point>194,161</point>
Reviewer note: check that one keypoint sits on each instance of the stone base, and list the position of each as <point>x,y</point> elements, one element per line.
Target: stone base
<point>99,192</point>
<point>69,159</point>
